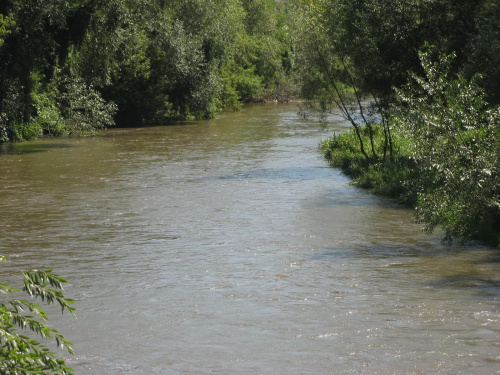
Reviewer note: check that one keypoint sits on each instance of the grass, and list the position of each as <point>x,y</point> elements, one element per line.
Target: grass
<point>390,177</point>
<point>400,177</point>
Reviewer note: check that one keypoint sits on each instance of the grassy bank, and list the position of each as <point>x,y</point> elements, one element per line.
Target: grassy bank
<point>388,178</point>
<point>404,179</point>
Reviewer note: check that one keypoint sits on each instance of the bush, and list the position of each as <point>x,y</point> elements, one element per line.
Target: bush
<point>446,142</point>
<point>389,177</point>
<point>84,109</point>
<point>454,141</point>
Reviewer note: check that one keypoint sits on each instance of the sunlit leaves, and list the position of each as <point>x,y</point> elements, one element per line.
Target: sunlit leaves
<point>21,353</point>
<point>454,139</point>
<point>84,108</point>
<point>6,24</point>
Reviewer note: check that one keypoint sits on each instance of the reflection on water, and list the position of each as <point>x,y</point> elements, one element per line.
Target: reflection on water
<point>230,247</point>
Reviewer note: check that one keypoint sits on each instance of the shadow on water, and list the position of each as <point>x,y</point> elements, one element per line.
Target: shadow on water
<point>449,267</point>
<point>285,174</point>
<point>373,252</point>
<point>478,254</point>
<point>31,147</point>
<point>485,286</point>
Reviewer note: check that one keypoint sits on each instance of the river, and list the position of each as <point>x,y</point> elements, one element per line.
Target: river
<point>229,246</point>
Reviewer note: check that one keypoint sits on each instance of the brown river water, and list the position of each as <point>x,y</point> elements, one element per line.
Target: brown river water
<point>230,247</point>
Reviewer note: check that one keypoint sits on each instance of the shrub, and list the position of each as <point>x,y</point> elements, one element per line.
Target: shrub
<point>454,140</point>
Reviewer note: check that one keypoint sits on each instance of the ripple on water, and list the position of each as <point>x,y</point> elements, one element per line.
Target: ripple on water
<point>229,247</point>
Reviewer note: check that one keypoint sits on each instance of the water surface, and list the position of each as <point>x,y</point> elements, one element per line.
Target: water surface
<point>230,247</point>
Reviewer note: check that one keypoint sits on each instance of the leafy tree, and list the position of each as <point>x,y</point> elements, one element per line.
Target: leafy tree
<point>6,23</point>
<point>331,79</point>
<point>443,144</point>
<point>84,109</point>
<point>43,37</point>
<point>155,59</point>
<point>170,57</point>
<point>259,64</point>
<point>22,353</point>
<point>454,140</point>
<point>368,47</point>
<point>381,39</point>
<point>483,50</point>
<point>67,105</point>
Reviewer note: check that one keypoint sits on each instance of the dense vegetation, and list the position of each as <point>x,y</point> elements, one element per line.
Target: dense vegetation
<point>72,66</point>
<point>418,80</point>
<point>420,83</point>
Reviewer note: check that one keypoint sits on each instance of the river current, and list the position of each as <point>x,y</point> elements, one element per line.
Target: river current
<point>229,246</point>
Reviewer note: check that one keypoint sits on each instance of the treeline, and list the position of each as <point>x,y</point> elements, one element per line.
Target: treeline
<point>73,66</point>
<point>420,83</point>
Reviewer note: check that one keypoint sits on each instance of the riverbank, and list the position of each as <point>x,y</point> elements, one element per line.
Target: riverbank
<point>403,178</point>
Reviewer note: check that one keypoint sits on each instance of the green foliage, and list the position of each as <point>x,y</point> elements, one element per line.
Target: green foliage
<point>69,106</point>
<point>83,108</point>
<point>454,140</point>
<point>370,47</point>
<point>6,23</point>
<point>443,145</point>
<point>264,49</point>
<point>65,62</point>
<point>240,85</point>
<point>484,51</point>
<point>389,178</point>
<point>446,143</point>
<point>379,39</point>
<point>21,353</point>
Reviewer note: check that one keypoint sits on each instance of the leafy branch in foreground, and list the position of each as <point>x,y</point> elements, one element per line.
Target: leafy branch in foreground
<point>22,354</point>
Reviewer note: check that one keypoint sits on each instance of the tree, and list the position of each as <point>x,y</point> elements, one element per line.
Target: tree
<point>6,23</point>
<point>366,48</point>
<point>483,48</point>
<point>35,64</point>
<point>139,61</point>
<point>441,135</point>
<point>330,77</point>
<point>21,353</point>
<point>260,64</point>
<point>453,138</point>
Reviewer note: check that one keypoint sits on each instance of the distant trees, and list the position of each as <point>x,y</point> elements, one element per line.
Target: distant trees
<point>135,61</point>
<point>40,90</point>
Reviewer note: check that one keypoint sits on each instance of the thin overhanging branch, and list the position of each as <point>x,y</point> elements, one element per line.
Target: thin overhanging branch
<point>387,130</point>
<point>360,106</point>
<point>339,101</point>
